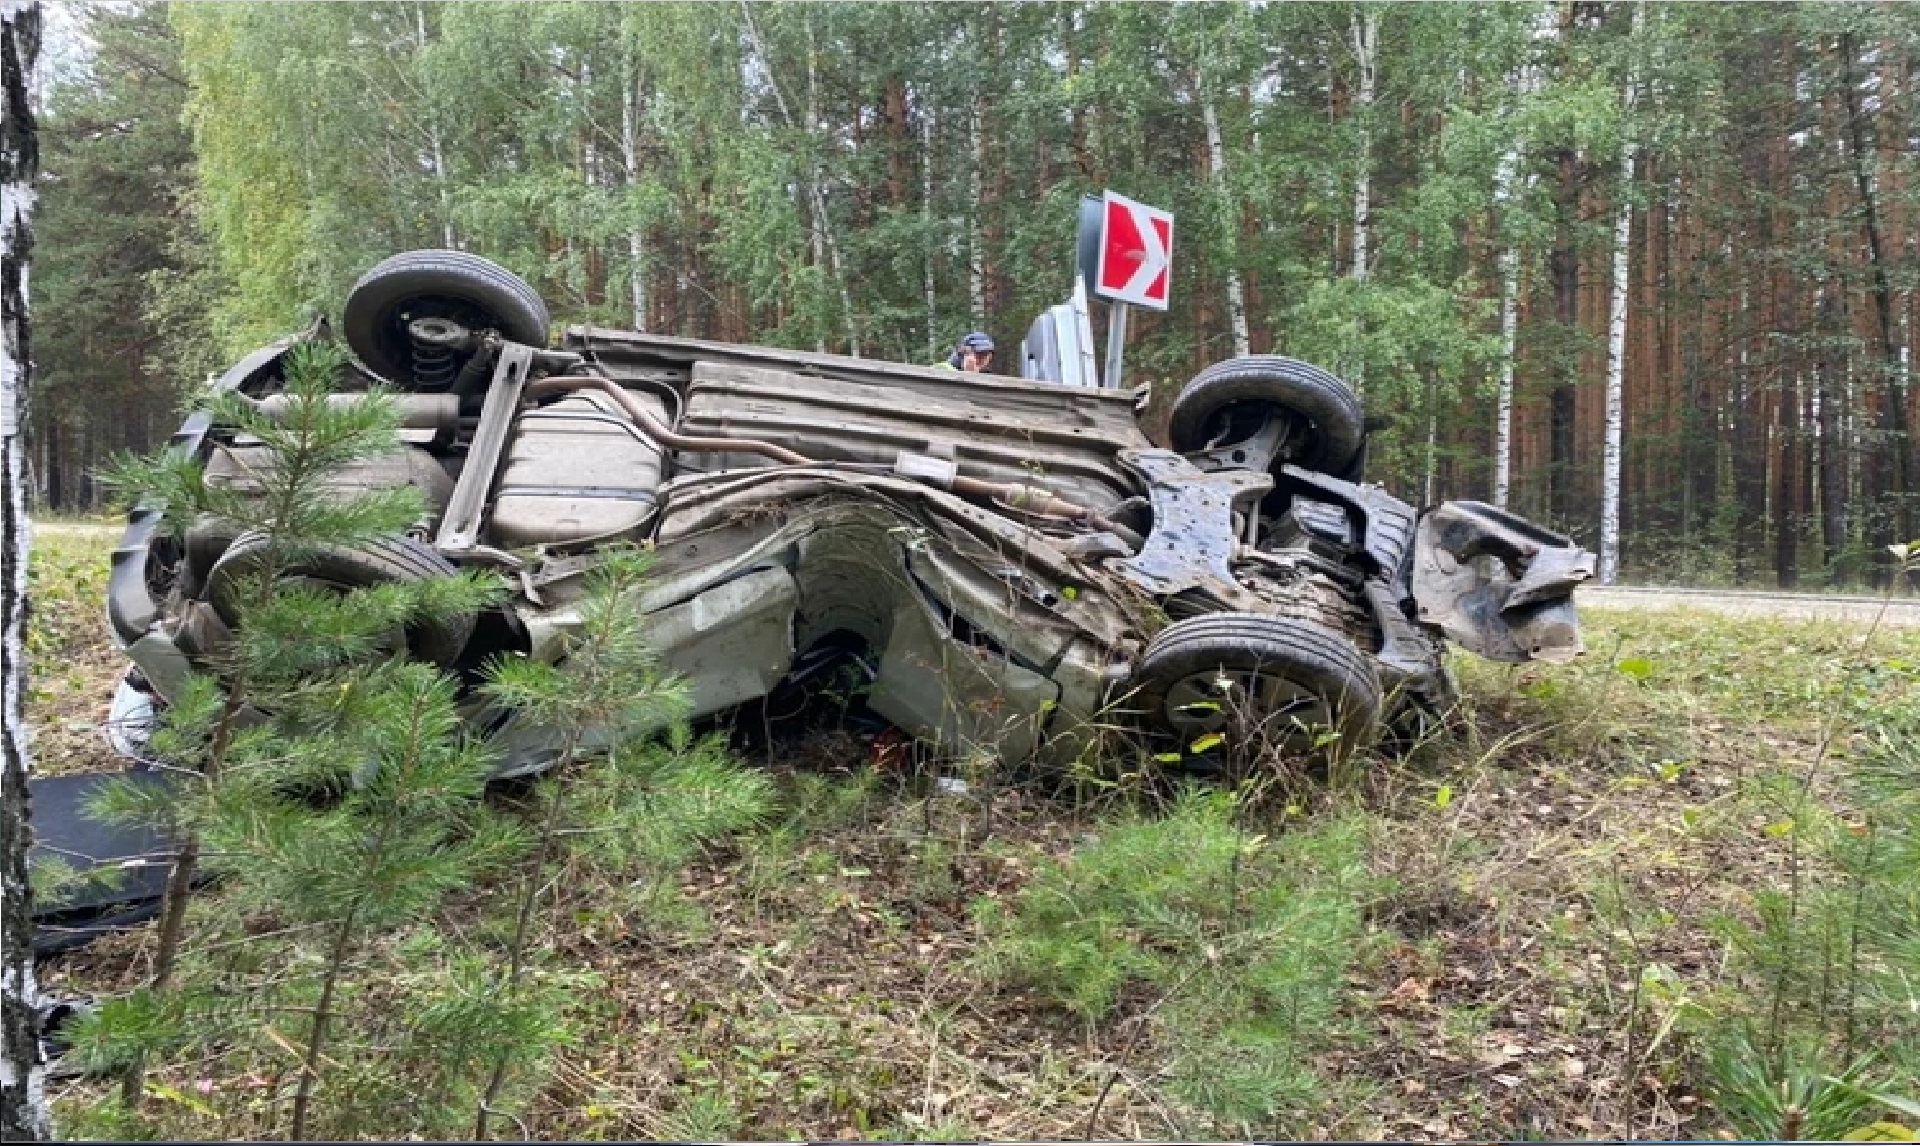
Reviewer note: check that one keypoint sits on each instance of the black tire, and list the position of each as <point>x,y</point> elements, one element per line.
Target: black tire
<point>1331,427</point>
<point>474,292</point>
<point>379,562</point>
<point>1297,677</point>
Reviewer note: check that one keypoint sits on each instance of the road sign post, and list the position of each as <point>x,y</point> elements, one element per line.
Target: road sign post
<point>1116,343</point>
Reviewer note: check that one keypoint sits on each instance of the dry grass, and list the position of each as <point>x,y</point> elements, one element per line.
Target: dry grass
<point>1562,865</point>
<point>73,667</point>
<point>1555,865</point>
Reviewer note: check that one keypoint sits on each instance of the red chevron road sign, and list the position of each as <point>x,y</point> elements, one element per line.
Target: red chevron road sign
<point>1136,253</point>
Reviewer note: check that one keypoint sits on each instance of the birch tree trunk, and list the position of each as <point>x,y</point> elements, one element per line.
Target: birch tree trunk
<point>630,158</point>
<point>1236,287</point>
<point>928,282</point>
<point>976,239</point>
<point>23,1103</point>
<point>589,136</point>
<point>1503,404</point>
<point>1617,323</point>
<point>1503,181</point>
<point>816,168</point>
<point>1366,41</point>
<point>436,146</point>
<point>1433,442</point>
<point>1525,85</point>
<point>822,222</point>
<point>1862,152</point>
<point>819,231</point>
<point>1829,375</point>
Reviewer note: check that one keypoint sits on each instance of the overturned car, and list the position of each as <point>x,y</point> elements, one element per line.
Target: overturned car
<point>1019,567</point>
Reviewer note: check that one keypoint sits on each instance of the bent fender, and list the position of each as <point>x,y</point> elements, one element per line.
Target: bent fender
<point>1497,584</point>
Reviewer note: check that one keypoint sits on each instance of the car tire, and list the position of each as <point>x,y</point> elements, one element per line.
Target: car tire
<point>1299,679</point>
<point>1323,405</point>
<point>379,562</point>
<point>476,293</point>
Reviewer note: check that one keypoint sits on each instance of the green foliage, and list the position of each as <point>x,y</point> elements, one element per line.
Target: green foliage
<point>393,843</point>
<point>1766,1096</point>
<point>1826,964</point>
<point>654,806</point>
<point>606,683</point>
<point>123,1030</point>
<point>704,1116</point>
<point>116,172</point>
<point>348,802</point>
<point>310,440</point>
<point>638,815</point>
<point>1238,944</point>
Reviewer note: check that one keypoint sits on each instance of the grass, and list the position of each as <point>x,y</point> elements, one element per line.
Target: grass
<point>72,667</point>
<point>1532,927</point>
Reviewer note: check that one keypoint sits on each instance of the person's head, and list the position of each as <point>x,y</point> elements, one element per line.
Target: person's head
<point>974,354</point>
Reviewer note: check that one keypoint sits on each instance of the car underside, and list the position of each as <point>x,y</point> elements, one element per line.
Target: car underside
<point>1020,567</point>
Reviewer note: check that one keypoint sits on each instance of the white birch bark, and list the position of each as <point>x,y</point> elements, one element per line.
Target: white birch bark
<point>1525,84</point>
<point>1366,42</point>
<point>819,229</point>
<point>1503,198</point>
<point>976,238</point>
<point>589,142</point>
<point>1503,404</point>
<point>1503,180</point>
<point>822,222</point>
<point>23,1099</point>
<point>1617,325</point>
<point>928,281</point>
<point>630,159</point>
<point>1433,442</point>
<point>816,181</point>
<point>1236,286</point>
<point>436,147</point>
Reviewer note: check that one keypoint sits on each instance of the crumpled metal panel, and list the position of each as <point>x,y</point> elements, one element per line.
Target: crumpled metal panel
<point>963,698</point>
<point>1499,585</point>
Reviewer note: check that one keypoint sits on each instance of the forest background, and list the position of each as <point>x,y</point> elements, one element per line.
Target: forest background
<point>1646,272</point>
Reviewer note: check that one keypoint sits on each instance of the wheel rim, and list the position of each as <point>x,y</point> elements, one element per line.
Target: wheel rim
<point>1250,699</point>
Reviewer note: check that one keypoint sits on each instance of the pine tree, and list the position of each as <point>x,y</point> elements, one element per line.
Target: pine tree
<point>289,641</point>
<point>603,695</point>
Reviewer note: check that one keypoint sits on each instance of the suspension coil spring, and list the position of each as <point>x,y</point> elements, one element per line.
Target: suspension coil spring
<point>434,342</point>
<point>433,367</point>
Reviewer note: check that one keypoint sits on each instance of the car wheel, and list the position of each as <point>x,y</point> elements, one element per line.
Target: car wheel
<point>1229,401</point>
<point>344,568</point>
<point>476,293</point>
<point>1279,679</point>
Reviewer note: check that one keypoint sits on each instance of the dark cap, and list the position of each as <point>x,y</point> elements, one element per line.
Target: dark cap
<point>979,342</point>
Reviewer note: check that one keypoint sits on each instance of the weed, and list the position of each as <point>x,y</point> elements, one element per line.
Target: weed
<point>1241,942</point>
<point>1823,1001</point>
<point>705,1115</point>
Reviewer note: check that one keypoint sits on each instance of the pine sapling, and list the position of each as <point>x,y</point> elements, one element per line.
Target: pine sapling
<point>607,689</point>
<point>286,502</point>
<point>389,851</point>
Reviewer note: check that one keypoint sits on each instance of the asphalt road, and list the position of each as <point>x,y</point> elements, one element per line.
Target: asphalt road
<point>1900,612</point>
